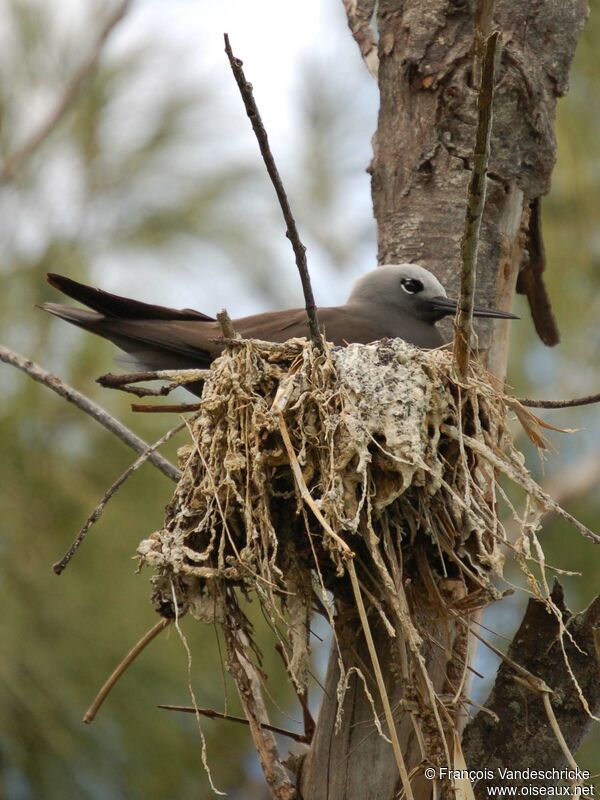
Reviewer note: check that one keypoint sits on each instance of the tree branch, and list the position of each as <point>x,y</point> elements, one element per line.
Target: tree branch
<point>588,400</point>
<point>180,377</point>
<point>265,149</point>
<point>59,566</point>
<point>72,91</point>
<point>247,681</point>
<point>524,736</point>
<point>88,407</point>
<point>475,205</point>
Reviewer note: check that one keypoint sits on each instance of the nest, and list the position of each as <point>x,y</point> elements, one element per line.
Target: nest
<point>304,460</point>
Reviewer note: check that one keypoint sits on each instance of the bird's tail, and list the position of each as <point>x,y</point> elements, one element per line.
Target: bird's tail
<point>88,320</point>
<point>112,305</point>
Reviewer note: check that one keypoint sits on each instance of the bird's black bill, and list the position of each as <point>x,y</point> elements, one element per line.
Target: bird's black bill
<point>444,306</point>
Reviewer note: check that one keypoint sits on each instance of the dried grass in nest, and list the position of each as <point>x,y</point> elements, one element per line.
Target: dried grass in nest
<point>298,456</point>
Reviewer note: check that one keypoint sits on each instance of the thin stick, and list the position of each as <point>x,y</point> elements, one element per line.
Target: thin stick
<point>72,91</point>
<point>226,325</point>
<point>177,377</point>
<point>211,714</point>
<point>292,231</point>
<point>176,408</point>
<point>90,714</point>
<point>588,400</point>
<point>89,407</point>
<point>182,376</point>
<point>59,566</point>
<point>380,682</point>
<point>475,205</point>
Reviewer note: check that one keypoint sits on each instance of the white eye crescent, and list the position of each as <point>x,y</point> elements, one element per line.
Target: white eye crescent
<point>411,285</point>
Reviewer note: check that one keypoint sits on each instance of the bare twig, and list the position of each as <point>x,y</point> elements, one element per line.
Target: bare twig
<point>360,14</point>
<point>475,204</point>
<point>89,407</point>
<point>211,714</point>
<point>177,378</point>
<point>181,376</point>
<point>175,408</point>
<point>292,231</point>
<point>90,714</point>
<point>484,10</point>
<point>588,400</point>
<point>226,325</point>
<point>72,91</point>
<point>96,513</point>
<point>139,391</point>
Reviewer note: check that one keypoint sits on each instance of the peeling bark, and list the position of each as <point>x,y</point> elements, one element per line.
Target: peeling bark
<point>523,737</point>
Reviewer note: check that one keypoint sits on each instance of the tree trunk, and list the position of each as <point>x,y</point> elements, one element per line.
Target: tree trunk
<point>420,171</point>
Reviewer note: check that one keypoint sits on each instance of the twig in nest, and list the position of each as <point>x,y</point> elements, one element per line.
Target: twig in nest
<point>96,513</point>
<point>475,205</point>
<point>176,408</point>
<point>72,91</point>
<point>211,714</point>
<point>226,325</point>
<point>265,149</point>
<point>89,407</point>
<point>588,400</point>
<point>90,714</point>
<point>176,377</point>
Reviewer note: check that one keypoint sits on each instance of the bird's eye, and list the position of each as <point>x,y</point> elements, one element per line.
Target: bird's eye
<point>411,285</point>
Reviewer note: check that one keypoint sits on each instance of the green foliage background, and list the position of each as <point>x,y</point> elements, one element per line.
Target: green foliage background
<point>128,193</point>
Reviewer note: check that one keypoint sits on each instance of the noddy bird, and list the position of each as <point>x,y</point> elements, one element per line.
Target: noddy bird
<point>392,301</point>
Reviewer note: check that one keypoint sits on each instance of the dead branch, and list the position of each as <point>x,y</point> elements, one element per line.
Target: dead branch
<point>509,742</point>
<point>211,714</point>
<point>265,149</point>
<point>59,566</point>
<point>588,400</point>
<point>531,279</point>
<point>89,407</point>
<point>246,678</point>
<point>226,325</point>
<point>176,378</point>
<point>359,14</point>
<point>175,408</point>
<point>90,714</point>
<point>475,205</point>
<point>72,91</point>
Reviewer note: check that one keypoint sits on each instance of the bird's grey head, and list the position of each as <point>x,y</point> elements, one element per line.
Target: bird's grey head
<point>411,290</point>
